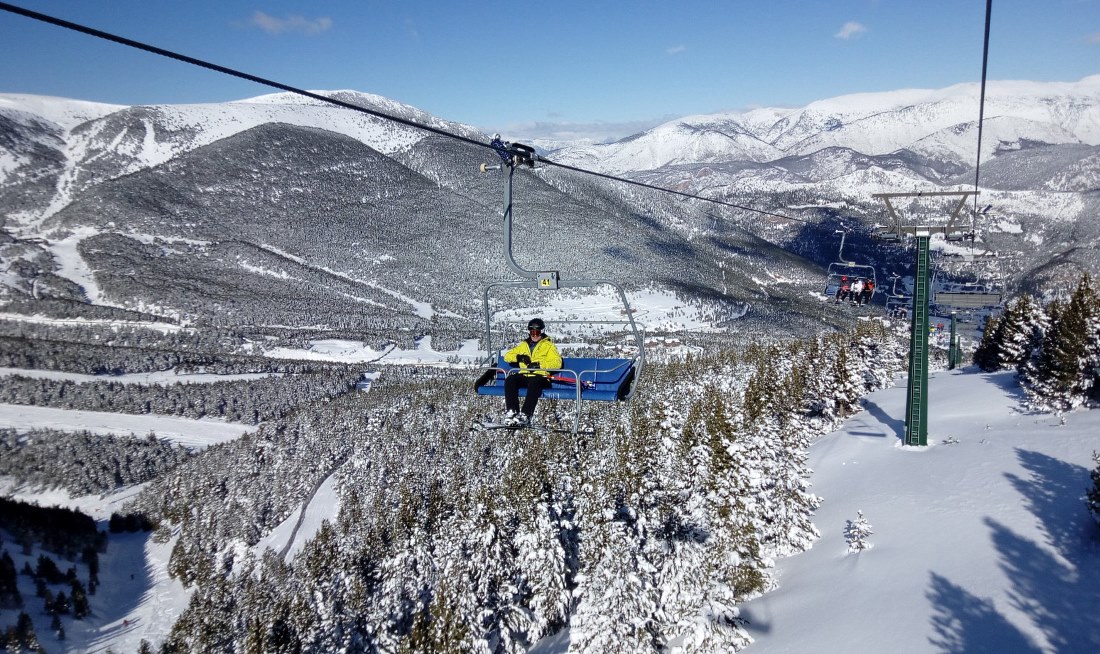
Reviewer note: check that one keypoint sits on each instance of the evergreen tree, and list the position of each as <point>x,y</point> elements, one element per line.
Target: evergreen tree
<point>1021,332</point>
<point>1060,377</point>
<point>987,354</point>
<point>56,627</point>
<point>618,610</point>
<point>856,533</point>
<point>9,583</point>
<point>47,569</point>
<point>844,392</point>
<point>81,609</point>
<point>24,626</point>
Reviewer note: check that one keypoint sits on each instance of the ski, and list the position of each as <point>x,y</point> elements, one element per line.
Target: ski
<point>542,429</point>
<point>480,426</point>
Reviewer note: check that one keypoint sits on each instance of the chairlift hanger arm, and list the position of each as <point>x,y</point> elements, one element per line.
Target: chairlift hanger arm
<point>513,155</point>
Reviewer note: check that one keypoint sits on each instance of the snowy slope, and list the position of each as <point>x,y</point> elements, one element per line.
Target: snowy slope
<point>980,545</point>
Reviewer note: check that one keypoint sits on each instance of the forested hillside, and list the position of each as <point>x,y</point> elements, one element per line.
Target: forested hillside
<point>646,531</point>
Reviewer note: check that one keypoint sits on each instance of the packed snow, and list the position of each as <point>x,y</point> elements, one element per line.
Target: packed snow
<point>188,432</point>
<point>982,541</point>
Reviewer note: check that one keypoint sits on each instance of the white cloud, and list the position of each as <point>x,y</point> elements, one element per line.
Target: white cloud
<point>676,49</point>
<point>276,26</point>
<point>1093,38</point>
<point>850,30</point>
<point>592,132</point>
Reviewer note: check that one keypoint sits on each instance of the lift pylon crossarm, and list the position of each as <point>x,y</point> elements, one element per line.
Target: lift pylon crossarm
<point>949,229</point>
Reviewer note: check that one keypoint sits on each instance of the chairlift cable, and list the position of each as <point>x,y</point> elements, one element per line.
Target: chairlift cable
<point>981,100</point>
<point>90,31</point>
<point>121,40</point>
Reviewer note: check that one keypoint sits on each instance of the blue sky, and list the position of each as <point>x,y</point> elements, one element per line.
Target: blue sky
<point>523,68</point>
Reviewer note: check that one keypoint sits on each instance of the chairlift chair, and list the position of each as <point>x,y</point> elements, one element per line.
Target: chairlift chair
<point>840,271</point>
<point>580,378</point>
<point>965,296</point>
<point>898,302</point>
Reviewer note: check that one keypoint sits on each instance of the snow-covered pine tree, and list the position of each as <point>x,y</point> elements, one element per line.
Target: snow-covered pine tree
<point>790,525</point>
<point>1092,362</point>
<point>1060,377</point>
<point>987,355</point>
<point>856,533</point>
<point>844,392</point>
<point>724,484</point>
<point>683,569</point>
<point>618,611</point>
<point>543,561</point>
<point>617,574</point>
<point>1021,332</point>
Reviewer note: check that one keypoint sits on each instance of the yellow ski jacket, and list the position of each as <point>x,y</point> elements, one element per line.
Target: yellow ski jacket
<point>544,356</point>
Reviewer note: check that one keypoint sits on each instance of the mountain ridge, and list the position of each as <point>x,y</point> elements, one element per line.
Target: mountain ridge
<point>73,170</point>
<point>860,121</point>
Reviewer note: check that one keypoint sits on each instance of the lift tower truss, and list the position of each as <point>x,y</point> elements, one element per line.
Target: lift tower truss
<point>916,403</point>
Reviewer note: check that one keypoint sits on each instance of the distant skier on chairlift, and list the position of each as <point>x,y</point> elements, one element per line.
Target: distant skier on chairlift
<point>856,291</point>
<point>868,292</point>
<point>842,290</point>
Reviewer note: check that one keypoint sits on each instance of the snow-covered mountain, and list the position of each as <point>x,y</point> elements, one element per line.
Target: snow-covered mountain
<point>1040,167</point>
<point>81,143</point>
<point>280,197</point>
<point>223,211</point>
<point>939,124</point>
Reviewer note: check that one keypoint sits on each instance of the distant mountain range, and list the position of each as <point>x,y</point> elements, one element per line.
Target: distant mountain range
<point>281,210</point>
<point>1039,166</point>
<point>935,125</point>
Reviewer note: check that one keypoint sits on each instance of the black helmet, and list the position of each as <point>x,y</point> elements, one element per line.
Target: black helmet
<point>536,323</point>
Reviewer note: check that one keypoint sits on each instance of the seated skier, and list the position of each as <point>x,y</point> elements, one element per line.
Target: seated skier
<point>535,356</point>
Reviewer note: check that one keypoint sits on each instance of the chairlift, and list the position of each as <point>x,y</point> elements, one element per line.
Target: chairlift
<point>841,272</point>
<point>898,305</point>
<point>600,379</point>
<point>964,296</point>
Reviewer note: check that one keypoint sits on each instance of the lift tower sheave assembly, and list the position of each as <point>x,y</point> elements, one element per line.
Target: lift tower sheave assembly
<point>916,402</point>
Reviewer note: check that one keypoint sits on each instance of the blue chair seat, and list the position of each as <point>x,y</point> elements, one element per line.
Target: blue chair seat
<point>610,379</point>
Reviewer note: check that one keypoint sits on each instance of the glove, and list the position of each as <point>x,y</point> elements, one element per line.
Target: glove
<point>533,365</point>
<point>524,359</point>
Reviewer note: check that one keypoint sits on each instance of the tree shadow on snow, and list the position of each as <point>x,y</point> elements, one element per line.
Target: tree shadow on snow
<point>126,578</point>
<point>971,624</point>
<point>1006,381</point>
<point>1055,583</point>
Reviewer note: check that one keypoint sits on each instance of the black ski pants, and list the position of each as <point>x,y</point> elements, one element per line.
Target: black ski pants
<point>534,385</point>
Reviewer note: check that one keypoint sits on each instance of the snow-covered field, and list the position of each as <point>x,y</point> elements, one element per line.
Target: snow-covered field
<point>567,318</point>
<point>160,377</point>
<point>184,431</point>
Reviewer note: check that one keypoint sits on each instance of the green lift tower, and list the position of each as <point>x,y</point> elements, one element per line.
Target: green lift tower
<point>916,403</point>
